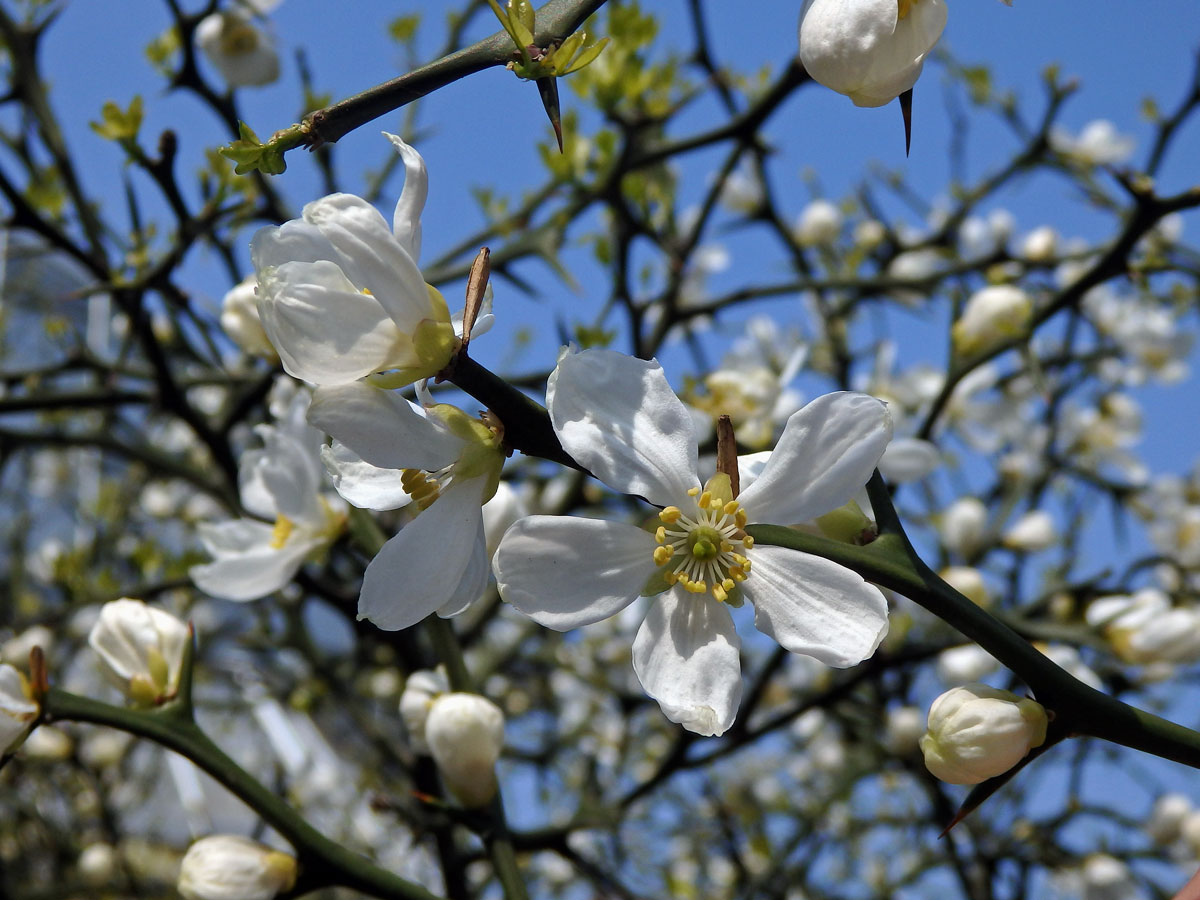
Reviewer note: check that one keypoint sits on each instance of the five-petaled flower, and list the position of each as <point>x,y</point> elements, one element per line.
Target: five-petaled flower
<point>340,295</point>
<point>619,418</point>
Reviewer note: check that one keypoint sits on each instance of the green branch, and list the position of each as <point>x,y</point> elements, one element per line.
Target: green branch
<point>324,863</point>
<point>891,561</point>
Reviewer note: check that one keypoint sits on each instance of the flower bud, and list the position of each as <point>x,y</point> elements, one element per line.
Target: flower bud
<point>17,708</point>
<point>241,321</point>
<point>228,867</point>
<point>1031,533</point>
<point>820,224</point>
<point>141,648</point>
<point>465,733</point>
<point>1040,245</point>
<point>977,732</point>
<point>963,525</point>
<point>420,690</point>
<point>994,314</point>
<point>969,582</point>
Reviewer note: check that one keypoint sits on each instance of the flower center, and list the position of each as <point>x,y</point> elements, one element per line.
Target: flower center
<point>704,552</point>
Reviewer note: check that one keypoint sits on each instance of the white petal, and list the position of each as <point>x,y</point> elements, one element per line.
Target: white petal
<point>254,573</point>
<point>686,655</point>
<point>325,330</point>
<point>360,483</point>
<point>290,475</point>
<point>372,257</point>
<point>222,539</point>
<point>618,417</point>
<point>816,607</point>
<point>473,582</point>
<point>406,220</point>
<point>417,571</point>
<point>382,427</point>
<point>564,572</point>
<point>827,451</point>
<point>293,241</point>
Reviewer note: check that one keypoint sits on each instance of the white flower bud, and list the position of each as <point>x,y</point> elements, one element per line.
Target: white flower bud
<point>902,730</point>
<point>228,867</point>
<point>970,662</point>
<point>465,733</point>
<point>1106,878</point>
<point>1189,831</point>
<point>820,224</point>
<point>963,524</point>
<point>1166,819</point>
<point>869,233</point>
<point>243,53</point>
<point>1040,245</point>
<point>993,314</point>
<point>1031,533</point>
<point>141,648</point>
<point>977,732</point>
<point>240,319</point>
<point>909,459</point>
<point>17,709</point>
<point>420,690</point>
<point>97,863</point>
<point>871,51</point>
<point>969,582</point>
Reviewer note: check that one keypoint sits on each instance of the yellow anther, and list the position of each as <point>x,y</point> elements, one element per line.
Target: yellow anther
<point>698,587</point>
<point>693,491</point>
<point>670,515</point>
<point>281,531</point>
<point>740,519</point>
<point>662,554</point>
<point>671,577</point>
<point>718,591</point>
<point>748,542</point>
<point>726,547</point>
<point>705,501</point>
<point>732,507</point>
<point>727,584</point>
<point>661,534</point>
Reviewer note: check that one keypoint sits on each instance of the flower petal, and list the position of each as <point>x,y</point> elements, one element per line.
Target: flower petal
<point>827,451</point>
<point>382,427</point>
<point>473,581</point>
<point>418,570</point>
<point>564,572</point>
<point>253,573</point>
<point>360,483</point>
<point>325,330</point>
<point>618,417</point>
<point>372,257</point>
<point>406,220</point>
<point>686,655</point>
<point>816,607</point>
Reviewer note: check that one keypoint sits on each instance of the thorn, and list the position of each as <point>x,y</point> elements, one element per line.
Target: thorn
<point>906,111</point>
<point>548,89</point>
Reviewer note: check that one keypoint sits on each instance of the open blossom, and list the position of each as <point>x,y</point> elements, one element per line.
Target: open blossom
<point>340,294</point>
<point>280,482</point>
<point>445,460</point>
<point>242,51</point>
<point>618,417</point>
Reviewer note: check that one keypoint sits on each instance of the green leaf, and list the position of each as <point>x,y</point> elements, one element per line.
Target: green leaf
<point>588,55</point>
<point>118,124</point>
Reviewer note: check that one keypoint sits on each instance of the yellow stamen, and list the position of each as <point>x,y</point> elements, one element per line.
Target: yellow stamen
<point>662,554</point>
<point>281,531</point>
<point>670,515</point>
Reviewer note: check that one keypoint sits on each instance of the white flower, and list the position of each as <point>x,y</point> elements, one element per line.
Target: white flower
<point>228,867</point>
<point>141,648</point>
<point>619,418</point>
<point>240,319</point>
<point>993,314</point>
<point>963,525</point>
<point>465,733</point>
<point>820,224</point>
<point>1031,533</point>
<point>340,294</point>
<point>1165,822</point>
<point>1098,144</point>
<point>17,708</point>
<point>1146,628</point>
<point>281,482</point>
<point>977,732</point>
<point>240,50</point>
<point>968,662</point>
<point>903,729</point>
<point>870,50</point>
<point>1040,245</point>
<point>449,463</point>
